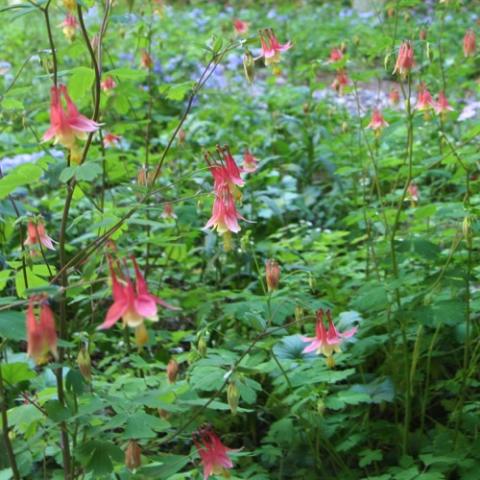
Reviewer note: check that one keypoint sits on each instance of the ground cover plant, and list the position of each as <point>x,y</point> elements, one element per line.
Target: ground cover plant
<point>239,239</point>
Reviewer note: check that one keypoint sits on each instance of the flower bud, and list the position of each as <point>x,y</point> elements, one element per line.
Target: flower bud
<point>299,314</point>
<point>163,413</point>
<point>202,346</point>
<point>272,273</point>
<point>321,407</point>
<point>70,4</point>
<point>182,135</point>
<point>422,34</point>
<point>233,396</point>
<point>467,227</point>
<point>133,455</point>
<point>84,363</point>
<point>249,66</point>
<point>172,370</point>
<point>330,361</point>
<point>141,336</point>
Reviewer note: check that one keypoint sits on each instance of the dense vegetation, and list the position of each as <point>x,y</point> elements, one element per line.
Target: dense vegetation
<point>324,323</point>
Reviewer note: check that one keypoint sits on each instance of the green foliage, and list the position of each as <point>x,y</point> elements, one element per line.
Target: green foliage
<point>380,229</point>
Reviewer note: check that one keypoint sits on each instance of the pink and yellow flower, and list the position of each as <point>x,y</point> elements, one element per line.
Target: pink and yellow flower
<point>36,234</point>
<point>108,84</point>
<point>111,140</point>
<point>213,453</point>
<point>442,106</point>
<point>132,303</point>
<point>326,342</point>
<point>424,100</point>
<point>241,27</point>
<point>271,48</point>
<point>41,333</point>
<point>340,82</point>
<point>69,26</point>
<point>66,125</point>
<point>377,121</point>
<point>336,55</point>
<point>249,162</point>
<point>405,59</point>
<point>394,96</point>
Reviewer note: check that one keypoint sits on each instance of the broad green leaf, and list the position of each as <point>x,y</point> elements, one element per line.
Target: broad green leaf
<point>26,174</point>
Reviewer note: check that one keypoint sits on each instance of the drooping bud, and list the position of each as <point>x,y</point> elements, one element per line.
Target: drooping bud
<point>249,66</point>
<point>272,274</point>
<point>330,361</point>
<point>144,177</point>
<point>141,336</point>
<point>70,4</point>
<point>133,455</point>
<point>84,363</point>
<point>146,60</point>
<point>172,370</point>
<point>202,346</point>
<point>469,43</point>
<point>233,397</point>
<point>182,135</point>
<point>394,96</point>
<point>321,407</point>
<point>422,34</point>
<point>467,227</point>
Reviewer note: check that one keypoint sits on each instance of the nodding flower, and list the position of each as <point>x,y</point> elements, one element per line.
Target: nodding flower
<point>326,342</point>
<point>132,302</point>
<point>336,55</point>
<point>413,193</point>
<point>377,121</point>
<point>405,59</point>
<point>66,125</point>
<point>394,96</point>
<point>111,140</point>
<point>424,100</point>
<point>36,234</point>
<point>469,43</point>
<point>442,106</point>
<point>240,26</point>
<point>249,162</point>
<point>340,81</point>
<point>69,26</point>
<point>108,84</point>
<point>213,453</point>
<point>271,48</point>
<point>41,333</point>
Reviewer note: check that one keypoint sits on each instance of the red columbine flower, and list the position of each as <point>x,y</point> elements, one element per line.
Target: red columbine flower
<point>108,84</point>
<point>413,193</point>
<point>224,212</point>
<point>69,26</point>
<point>36,233</point>
<point>341,80</point>
<point>249,162</point>
<point>336,55</point>
<point>41,334</point>
<point>66,125</point>
<point>132,303</point>
<point>111,140</point>
<point>394,96</point>
<point>213,453</point>
<point>168,211</point>
<point>424,100</point>
<point>469,43</point>
<point>271,48</point>
<point>326,342</point>
<point>240,26</point>
<point>377,122</point>
<point>405,59</point>
<point>442,106</point>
